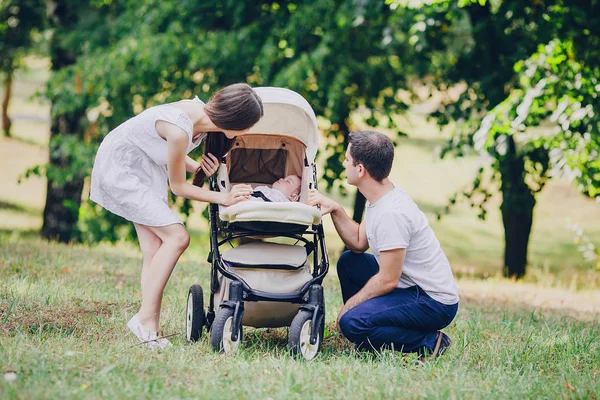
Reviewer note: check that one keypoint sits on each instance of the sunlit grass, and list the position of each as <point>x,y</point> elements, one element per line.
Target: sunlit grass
<point>63,310</point>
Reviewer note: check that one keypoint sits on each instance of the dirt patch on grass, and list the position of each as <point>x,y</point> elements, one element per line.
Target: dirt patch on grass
<point>502,294</point>
<point>79,317</point>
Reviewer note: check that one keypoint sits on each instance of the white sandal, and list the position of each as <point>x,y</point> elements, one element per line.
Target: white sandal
<point>149,339</point>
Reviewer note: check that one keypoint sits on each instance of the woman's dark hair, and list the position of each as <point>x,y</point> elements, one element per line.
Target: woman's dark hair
<point>235,107</point>
<point>218,145</point>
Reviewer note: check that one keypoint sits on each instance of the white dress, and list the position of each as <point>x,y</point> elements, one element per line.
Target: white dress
<point>130,177</point>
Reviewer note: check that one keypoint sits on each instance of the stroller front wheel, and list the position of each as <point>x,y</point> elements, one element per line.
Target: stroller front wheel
<point>299,337</point>
<point>195,317</point>
<point>222,328</point>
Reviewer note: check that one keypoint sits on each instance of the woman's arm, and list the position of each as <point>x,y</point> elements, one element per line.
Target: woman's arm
<point>191,165</point>
<point>177,142</point>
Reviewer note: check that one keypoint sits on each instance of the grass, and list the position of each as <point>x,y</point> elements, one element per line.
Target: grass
<point>63,308</point>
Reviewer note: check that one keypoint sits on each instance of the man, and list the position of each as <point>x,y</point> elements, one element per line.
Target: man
<point>403,294</point>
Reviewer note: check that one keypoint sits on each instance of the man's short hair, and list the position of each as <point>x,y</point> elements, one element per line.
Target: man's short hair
<point>374,150</point>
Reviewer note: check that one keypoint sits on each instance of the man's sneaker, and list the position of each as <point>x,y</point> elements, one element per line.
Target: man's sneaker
<point>442,343</point>
<point>149,339</point>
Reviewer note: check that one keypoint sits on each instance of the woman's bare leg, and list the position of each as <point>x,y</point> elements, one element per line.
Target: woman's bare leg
<point>149,244</point>
<point>161,248</point>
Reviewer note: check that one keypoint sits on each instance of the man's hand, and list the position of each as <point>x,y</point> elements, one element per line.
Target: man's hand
<point>237,193</point>
<point>353,234</point>
<point>351,303</point>
<point>317,199</point>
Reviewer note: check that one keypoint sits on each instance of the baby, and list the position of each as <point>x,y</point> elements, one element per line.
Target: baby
<point>285,189</point>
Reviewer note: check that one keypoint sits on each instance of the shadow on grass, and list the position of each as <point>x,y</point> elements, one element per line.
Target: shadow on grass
<point>25,233</point>
<point>73,318</point>
<point>275,340</point>
<point>5,205</point>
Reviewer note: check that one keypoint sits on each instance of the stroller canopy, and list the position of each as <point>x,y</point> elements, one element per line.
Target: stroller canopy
<point>289,114</point>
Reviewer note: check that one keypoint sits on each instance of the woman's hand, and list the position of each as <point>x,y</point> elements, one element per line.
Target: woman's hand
<point>317,199</point>
<point>237,193</point>
<point>209,164</point>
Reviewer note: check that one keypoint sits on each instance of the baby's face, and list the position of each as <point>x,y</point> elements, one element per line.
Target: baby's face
<point>289,186</point>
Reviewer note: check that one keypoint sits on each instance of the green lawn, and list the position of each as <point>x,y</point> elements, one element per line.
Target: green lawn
<point>63,308</point>
<point>62,333</point>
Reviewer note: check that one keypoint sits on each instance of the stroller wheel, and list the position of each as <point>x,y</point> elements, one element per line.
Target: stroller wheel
<point>299,337</point>
<point>195,317</point>
<point>222,328</point>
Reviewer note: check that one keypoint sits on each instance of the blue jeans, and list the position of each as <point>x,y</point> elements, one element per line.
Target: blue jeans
<point>405,319</point>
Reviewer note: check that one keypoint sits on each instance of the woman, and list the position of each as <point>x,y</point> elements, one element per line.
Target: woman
<point>138,160</point>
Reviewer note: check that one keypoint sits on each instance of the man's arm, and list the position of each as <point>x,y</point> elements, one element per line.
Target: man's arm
<point>383,282</point>
<point>353,234</point>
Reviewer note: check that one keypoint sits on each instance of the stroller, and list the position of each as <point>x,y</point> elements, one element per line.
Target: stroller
<point>266,281</point>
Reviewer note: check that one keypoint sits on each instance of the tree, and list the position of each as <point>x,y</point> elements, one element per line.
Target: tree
<point>18,21</point>
<point>146,57</point>
<point>501,99</point>
<point>342,56</point>
<point>165,52</point>
<point>76,28</point>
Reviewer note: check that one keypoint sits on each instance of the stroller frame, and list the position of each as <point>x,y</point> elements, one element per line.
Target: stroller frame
<point>288,131</point>
<point>310,295</point>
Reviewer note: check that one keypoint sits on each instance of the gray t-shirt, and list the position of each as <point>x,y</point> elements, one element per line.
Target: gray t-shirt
<point>395,222</point>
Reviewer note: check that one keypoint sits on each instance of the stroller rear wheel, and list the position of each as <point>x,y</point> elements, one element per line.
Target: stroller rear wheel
<point>195,317</point>
<point>222,328</point>
<point>299,337</point>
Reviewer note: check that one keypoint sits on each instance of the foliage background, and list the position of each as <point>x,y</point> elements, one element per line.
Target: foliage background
<point>510,86</point>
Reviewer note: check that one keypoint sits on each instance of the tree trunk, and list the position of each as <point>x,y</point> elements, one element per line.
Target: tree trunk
<point>359,206</point>
<point>517,212</point>
<point>6,122</point>
<point>63,198</point>
<point>359,200</point>
<point>518,200</point>
<point>517,227</point>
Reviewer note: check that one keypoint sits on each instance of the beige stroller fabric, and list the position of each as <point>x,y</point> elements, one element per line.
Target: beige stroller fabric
<point>292,147</point>
<point>267,255</point>
<point>287,113</point>
<point>258,260</point>
<point>291,212</point>
<point>232,173</point>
